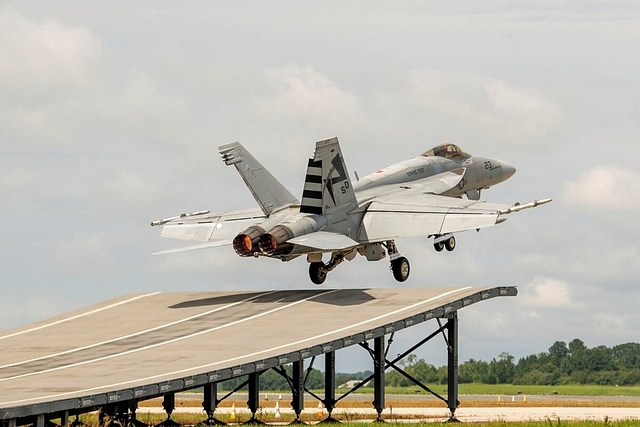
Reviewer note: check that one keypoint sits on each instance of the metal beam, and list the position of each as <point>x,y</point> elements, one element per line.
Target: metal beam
<point>169,404</point>
<point>210,403</point>
<point>253,402</point>
<point>329,383</point>
<point>297,389</point>
<point>452,365</point>
<point>378,376</point>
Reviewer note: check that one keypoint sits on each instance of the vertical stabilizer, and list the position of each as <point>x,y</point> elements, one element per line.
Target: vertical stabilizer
<point>267,190</point>
<point>327,187</point>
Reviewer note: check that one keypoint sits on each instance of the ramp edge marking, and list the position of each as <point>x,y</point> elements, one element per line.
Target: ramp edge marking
<point>73,350</point>
<point>239,357</point>
<point>97,310</point>
<point>135,350</point>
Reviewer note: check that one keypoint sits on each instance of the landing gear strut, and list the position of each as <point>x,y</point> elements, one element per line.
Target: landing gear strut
<point>399,264</point>
<point>318,270</point>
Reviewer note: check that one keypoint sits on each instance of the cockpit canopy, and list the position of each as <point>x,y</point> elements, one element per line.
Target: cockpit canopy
<point>448,151</point>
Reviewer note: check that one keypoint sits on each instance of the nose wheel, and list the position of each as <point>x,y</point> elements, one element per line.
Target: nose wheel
<point>449,244</point>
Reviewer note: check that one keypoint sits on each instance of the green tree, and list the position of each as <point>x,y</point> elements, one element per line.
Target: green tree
<point>576,345</point>
<point>502,371</point>
<point>627,356</point>
<point>558,352</point>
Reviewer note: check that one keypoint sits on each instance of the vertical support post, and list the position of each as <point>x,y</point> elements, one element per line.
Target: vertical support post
<point>329,383</point>
<point>378,376</point>
<point>210,403</point>
<point>452,377</point>
<point>40,421</point>
<point>297,391</point>
<point>102,417</point>
<point>169,403</point>
<point>64,420</point>
<point>254,395</point>
<point>11,423</point>
<point>133,420</point>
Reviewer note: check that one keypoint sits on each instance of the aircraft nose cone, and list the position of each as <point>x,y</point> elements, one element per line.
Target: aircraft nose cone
<point>507,170</point>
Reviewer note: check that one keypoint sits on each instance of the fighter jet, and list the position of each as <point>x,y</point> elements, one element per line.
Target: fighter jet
<point>435,195</point>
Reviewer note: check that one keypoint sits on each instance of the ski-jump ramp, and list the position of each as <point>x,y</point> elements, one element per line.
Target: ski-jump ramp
<point>136,347</point>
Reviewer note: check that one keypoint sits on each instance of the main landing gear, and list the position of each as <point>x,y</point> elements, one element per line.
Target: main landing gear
<point>318,270</point>
<point>399,264</point>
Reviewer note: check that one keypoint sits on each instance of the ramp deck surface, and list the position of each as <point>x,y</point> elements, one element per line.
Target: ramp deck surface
<point>148,344</point>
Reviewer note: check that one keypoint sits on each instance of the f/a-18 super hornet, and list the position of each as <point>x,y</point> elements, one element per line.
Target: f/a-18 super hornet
<point>435,195</point>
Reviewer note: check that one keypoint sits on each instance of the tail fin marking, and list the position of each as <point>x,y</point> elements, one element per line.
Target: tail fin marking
<point>327,187</point>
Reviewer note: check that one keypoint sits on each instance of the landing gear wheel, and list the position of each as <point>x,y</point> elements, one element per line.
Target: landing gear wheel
<point>450,244</point>
<point>438,246</point>
<point>317,272</point>
<point>400,269</point>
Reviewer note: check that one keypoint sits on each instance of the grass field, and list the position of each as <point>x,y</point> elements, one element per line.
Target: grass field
<point>91,420</point>
<point>510,395</point>
<point>510,389</point>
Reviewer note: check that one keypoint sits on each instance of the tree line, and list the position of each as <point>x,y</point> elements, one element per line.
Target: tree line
<point>564,363</point>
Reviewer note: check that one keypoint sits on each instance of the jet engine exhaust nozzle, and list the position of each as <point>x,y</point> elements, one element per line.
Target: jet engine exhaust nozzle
<point>242,245</point>
<point>246,243</point>
<point>268,243</point>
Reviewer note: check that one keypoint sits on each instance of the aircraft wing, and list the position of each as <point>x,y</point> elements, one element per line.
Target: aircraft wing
<point>212,230</point>
<point>194,247</point>
<point>415,213</point>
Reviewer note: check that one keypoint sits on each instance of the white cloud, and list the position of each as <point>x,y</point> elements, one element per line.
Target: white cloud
<point>83,255</point>
<point>606,188</point>
<point>547,293</point>
<point>494,107</point>
<point>129,186</point>
<point>15,178</point>
<point>304,94</point>
<point>43,56</point>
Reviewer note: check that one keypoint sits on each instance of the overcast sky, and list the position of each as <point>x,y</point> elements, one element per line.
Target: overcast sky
<point>111,114</point>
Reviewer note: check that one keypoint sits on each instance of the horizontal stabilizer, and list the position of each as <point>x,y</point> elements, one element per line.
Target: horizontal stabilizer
<point>194,247</point>
<point>324,241</point>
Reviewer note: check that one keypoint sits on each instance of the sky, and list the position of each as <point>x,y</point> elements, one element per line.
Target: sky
<point>111,114</point>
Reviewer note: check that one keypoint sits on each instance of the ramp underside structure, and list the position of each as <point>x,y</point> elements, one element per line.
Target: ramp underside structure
<point>143,346</point>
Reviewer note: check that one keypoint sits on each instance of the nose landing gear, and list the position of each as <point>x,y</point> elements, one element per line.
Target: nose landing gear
<point>443,242</point>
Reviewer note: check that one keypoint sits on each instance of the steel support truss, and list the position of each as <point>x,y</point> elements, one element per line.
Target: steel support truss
<point>381,363</point>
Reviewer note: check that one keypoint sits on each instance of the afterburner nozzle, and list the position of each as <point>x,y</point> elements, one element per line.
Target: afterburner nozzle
<point>268,243</point>
<point>242,245</point>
